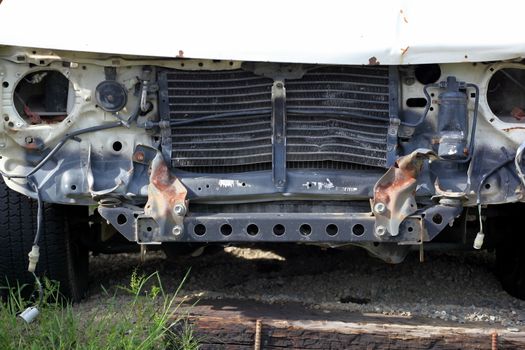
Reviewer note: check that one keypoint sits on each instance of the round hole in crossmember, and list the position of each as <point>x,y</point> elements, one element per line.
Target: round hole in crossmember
<point>305,229</point>
<point>332,229</point>
<point>279,230</point>
<point>199,229</point>
<point>226,229</point>
<point>252,229</point>
<point>358,229</point>
<point>437,219</point>
<point>121,219</point>
<point>117,146</point>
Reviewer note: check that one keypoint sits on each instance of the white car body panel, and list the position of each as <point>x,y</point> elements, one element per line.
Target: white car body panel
<point>328,32</point>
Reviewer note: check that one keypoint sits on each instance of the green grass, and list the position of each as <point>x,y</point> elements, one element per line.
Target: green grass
<point>138,316</point>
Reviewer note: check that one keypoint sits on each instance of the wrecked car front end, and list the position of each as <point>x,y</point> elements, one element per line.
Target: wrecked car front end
<point>200,151</point>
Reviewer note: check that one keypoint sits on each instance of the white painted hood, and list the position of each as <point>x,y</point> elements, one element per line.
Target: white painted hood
<point>328,31</point>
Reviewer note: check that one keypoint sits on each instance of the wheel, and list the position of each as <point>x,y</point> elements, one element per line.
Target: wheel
<point>509,242</point>
<point>62,256</point>
<point>510,266</point>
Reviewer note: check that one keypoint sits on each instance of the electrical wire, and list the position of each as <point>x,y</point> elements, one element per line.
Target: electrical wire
<point>217,116</point>
<point>40,289</point>
<point>487,175</point>
<point>123,121</point>
<point>127,120</point>
<point>60,144</point>
<point>39,212</point>
<point>40,204</point>
<point>262,111</point>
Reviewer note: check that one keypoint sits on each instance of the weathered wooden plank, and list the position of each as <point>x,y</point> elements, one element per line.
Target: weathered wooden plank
<point>230,324</point>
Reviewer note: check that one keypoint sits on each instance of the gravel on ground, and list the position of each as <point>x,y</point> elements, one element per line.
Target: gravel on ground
<point>458,287</point>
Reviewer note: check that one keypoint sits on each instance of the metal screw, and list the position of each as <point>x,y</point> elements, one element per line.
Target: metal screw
<point>380,230</point>
<point>177,230</point>
<point>179,210</point>
<point>279,85</point>
<point>379,208</point>
<point>29,139</point>
<point>139,156</point>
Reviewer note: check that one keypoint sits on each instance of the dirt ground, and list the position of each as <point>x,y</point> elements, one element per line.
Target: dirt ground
<point>457,287</point>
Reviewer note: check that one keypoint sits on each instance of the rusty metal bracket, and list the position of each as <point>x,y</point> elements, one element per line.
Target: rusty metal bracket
<point>167,205</point>
<point>394,193</point>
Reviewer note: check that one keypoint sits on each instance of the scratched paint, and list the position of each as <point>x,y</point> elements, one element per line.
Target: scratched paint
<point>328,185</point>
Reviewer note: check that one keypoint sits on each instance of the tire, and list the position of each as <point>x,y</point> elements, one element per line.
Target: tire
<point>62,257</point>
<point>510,267</point>
<point>509,243</point>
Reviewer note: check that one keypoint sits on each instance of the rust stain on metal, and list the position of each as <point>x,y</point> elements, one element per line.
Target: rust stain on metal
<point>373,61</point>
<point>514,128</point>
<point>403,15</point>
<point>167,185</point>
<point>404,51</point>
<point>517,113</point>
<point>165,191</point>
<point>34,118</point>
<point>139,156</point>
<point>31,146</point>
<point>180,55</point>
<point>396,189</point>
<point>405,174</point>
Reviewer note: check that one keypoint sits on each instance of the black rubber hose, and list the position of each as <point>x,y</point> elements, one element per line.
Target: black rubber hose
<point>427,108</point>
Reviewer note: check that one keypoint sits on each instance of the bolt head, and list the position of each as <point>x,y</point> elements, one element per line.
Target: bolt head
<point>380,230</point>
<point>177,230</point>
<point>379,208</point>
<point>139,156</point>
<point>179,209</point>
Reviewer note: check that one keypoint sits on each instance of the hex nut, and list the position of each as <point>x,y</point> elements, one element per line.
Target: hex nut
<point>379,208</point>
<point>380,230</point>
<point>177,230</point>
<point>179,210</point>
